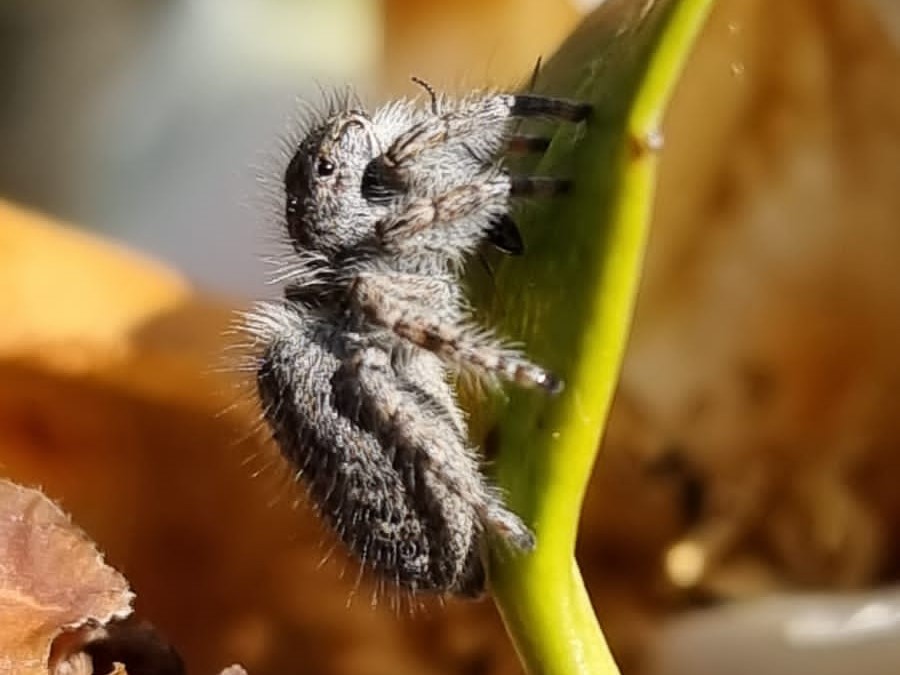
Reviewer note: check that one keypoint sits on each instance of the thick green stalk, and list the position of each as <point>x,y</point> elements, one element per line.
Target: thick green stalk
<point>570,299</point>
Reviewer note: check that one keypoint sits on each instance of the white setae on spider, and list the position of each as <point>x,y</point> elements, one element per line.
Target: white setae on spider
<point>383,209</point>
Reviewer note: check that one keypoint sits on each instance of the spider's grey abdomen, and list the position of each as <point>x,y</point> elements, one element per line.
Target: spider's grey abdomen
<point>385,503</point>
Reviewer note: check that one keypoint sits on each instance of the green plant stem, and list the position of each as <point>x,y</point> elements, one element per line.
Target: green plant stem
<point>571,299</point>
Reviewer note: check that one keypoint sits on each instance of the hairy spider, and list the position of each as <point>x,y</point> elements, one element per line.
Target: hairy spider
<point>382,210</point>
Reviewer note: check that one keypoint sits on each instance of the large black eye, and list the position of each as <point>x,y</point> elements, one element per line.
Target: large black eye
<point>324,167</point>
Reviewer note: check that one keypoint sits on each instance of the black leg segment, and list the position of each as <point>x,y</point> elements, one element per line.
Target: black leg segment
<point>533,105</point>
<point>504,235</point>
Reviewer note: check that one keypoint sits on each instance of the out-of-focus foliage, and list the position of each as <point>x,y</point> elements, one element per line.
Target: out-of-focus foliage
<point>470,43</point>
<point>764,354</point>
<point>752,447</point>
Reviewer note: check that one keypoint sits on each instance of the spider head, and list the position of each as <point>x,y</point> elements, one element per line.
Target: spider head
<point>324,206</point>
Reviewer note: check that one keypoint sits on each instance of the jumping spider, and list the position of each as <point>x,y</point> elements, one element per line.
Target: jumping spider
<point>382,210</point>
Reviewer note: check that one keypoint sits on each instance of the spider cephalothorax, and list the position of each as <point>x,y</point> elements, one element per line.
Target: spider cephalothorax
<point>383,209</point>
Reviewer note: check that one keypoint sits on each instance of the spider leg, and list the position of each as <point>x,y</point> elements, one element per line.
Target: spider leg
<point>461,138</point>
<point>483,118</point>
<point>410,420</point>
<point>504,235</point>
<point>377,298</point>
<point>464,214</point>
<point>397,518</point>
<point>535,105</point>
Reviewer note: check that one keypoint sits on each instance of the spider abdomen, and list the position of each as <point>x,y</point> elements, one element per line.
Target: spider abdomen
<point>389,507</point>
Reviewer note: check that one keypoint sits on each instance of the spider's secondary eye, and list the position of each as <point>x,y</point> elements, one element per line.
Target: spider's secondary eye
<point>324,167</point>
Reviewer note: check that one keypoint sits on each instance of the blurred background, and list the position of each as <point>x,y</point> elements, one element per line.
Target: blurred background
<point>745,515</point>
<point>152,120</point>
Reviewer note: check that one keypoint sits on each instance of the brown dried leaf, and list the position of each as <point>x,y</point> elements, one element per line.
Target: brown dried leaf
<point>52,578</point>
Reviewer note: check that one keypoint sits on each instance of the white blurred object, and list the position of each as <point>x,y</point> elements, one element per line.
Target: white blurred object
<point>176,146</point>
<point>821,634</point>
<point>889,10</point>
<point>586,6</point>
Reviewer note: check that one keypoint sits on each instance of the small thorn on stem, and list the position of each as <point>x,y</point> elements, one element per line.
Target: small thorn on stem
<point>650,143</point>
